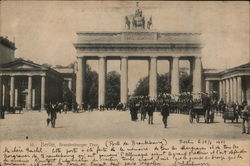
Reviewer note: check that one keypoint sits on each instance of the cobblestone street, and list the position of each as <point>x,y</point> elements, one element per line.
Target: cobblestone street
<point>112,124</point>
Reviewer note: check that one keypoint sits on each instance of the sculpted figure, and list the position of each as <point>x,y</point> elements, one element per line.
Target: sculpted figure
<point>149,23</point>
<point>127,22</point>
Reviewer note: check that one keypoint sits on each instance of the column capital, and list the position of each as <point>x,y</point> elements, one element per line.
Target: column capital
<point>197,57</point>
<point>176,57</point>
<point>124,57</point>
<point>152,57</point>
<point>81,57</point>
<point>102,57</point>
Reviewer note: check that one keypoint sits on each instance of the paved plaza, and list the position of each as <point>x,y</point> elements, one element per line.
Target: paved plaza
<point>112,124</point>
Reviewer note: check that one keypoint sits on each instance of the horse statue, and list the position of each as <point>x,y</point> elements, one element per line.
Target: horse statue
<point>127,22</point>
<point>138,22</point>
<point>149,23</point>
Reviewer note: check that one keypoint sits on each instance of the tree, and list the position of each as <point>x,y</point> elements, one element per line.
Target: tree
<point>113,88</point>
<point>163,85</point>
<point>66,93</point>
<point>91,87</point>
<point>185,83</point>
<point>142,88</point>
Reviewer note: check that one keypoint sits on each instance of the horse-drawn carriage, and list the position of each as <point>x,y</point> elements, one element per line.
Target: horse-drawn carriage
<point>230,114</point>
<point>199,111</point>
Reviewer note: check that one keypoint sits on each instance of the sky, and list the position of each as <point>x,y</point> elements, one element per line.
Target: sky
<point>44,31</point>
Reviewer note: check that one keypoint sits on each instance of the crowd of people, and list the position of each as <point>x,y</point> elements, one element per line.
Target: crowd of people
<point>166,104</point>
<point>144,106</point>
<point>120,107</point>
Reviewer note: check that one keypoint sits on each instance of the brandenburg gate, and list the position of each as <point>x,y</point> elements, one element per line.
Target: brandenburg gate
<point>137,42</point>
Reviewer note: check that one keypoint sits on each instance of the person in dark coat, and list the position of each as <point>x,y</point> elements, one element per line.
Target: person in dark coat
<point>2,111</point>
<point>150,110</point>
<point>137,108</point>
<point>132,111</point>
<point>53,115</point>
<point>143,112</point>
<point>48,110</point>
<point>165,114</point>
<point>245,119</point>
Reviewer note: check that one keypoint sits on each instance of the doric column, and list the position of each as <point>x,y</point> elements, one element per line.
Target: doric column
<point>207,86</point>
<point>191,65</point>
<point>70,85</point>
<point>234,89</point>
<point>80,81</point>
<point>170,72</point>
<point>227,90</point>
<point>1,87</point>
<point>231,89</point>
<point>197,75</point>
<point>42,92</point>
<point>175,87</point>
<point>29,102</point>
<point>12,89</point>
<point>124,80</point>
<point>102,81</point>
<point>220,89</point>
<point>16,97</point>
<point>33,98</point>
<point>153,78</point>
<point>239,90</point>
<point>3,94</point>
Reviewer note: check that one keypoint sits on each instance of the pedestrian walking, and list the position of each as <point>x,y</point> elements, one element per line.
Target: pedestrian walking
<point>143,112</point>
<point>150,111</point>
<point>132,112</point>
<point>48,110</point>
<point>53,115</point>
<point>165,114</point>
<point>245,119</point>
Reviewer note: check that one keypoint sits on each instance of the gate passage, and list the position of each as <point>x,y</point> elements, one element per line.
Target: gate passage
<point>137,42</point>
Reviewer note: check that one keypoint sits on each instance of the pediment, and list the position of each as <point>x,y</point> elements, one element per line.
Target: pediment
<point>21,64</point>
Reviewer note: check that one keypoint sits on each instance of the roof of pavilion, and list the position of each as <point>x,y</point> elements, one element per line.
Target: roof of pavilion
<point>26,66</point>
<point>66,71</point>
<point>242,69</point>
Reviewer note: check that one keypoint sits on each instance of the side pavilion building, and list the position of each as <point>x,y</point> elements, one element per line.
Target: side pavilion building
<point>231,85</point>
<point>30,85</point>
